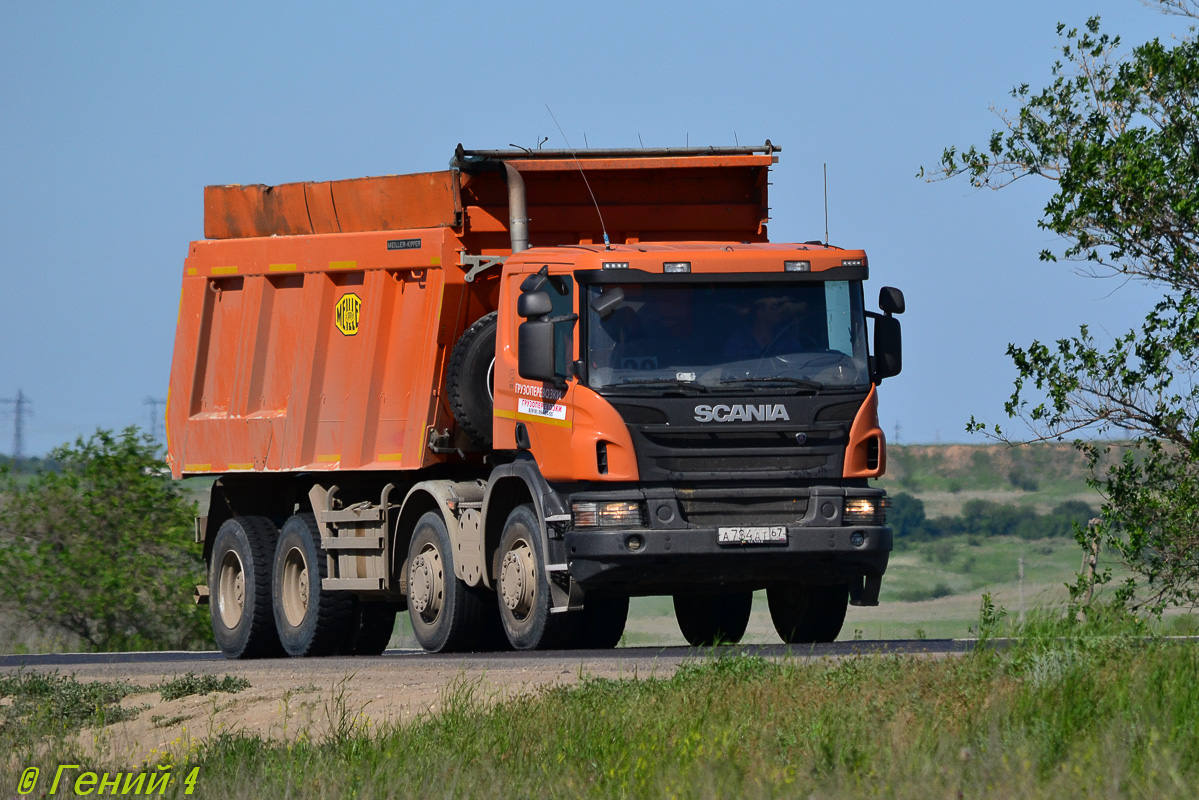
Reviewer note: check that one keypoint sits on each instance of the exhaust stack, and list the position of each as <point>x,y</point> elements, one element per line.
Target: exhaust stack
<point>518,209</point>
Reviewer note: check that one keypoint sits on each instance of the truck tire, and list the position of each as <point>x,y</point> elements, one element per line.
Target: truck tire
<point>447,615</point>
<point>239,581</point>
<point>470,380</point>
<point>370,629</point>
<point>709,619</point>
<point>310,620</point>
<point>600,624</point>
<point>523,586</point>
<point>804,614</point>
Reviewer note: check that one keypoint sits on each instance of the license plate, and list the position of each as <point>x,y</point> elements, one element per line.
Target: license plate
<point>752,535</point>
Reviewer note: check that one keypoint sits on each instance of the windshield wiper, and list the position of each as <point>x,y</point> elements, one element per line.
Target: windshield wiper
<point>673,383</point>
<point>813,386</point>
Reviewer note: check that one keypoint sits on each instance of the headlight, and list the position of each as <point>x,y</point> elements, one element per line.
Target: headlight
<point>865,511</point>
<point>621,514</point>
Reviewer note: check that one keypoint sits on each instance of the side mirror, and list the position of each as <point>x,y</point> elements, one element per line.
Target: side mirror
<point>888,346</point>
<point>890,300</point>
<point>609,300</point>
<point>535,349</point>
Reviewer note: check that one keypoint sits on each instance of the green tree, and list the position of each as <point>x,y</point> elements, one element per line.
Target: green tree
<point>906,517</point>
<point>1115,133</point>
<point>99,548</point>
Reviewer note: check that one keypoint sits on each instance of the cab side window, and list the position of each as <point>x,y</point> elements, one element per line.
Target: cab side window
<point>562,293</point>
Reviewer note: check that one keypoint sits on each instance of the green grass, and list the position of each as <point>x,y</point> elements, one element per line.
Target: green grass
<point>39,703</point>
<point>191,683</point>
<point>1073,710</point>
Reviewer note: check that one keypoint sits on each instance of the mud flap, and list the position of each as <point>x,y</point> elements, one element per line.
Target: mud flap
<point>863,590</point>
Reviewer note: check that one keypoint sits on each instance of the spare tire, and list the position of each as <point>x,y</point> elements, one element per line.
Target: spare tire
<point>471,380</point>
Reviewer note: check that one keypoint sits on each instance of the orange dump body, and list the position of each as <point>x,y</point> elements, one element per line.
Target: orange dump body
<point>317,320</point>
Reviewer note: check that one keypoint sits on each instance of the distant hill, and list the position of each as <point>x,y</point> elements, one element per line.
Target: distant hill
<point>946,476</point>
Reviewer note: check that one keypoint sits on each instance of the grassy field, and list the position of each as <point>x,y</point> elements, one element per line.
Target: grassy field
<point>1068,710</point>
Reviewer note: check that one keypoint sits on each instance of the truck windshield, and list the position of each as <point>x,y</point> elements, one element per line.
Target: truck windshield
<point>713,336</point>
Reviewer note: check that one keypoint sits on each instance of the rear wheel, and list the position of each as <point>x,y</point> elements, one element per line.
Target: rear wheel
<point>370,629</point>
<point>600,624</point>
<point>708,619</point>
<point>804,614</point>
<point>239,580</point>
<point>524,589</point>
<point>447,615</point>
<point>311,621</point>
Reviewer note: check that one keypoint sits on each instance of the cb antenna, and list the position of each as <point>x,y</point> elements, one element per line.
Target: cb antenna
<point>599,213</point>
<point>826,204</point>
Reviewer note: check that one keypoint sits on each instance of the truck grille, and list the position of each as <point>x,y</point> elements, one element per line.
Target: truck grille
<point>783,510</point>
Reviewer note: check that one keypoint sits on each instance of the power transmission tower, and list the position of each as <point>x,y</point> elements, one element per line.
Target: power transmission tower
<point>21,407</point>
<point>155,418</point>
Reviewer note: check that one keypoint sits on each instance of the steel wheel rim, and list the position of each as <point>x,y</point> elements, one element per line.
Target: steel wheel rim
<point>518,580</point>
<point>231,598</point>
<point>426,582</point>
<point>296,587</point>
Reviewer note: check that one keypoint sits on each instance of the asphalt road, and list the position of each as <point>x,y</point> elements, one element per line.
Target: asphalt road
<point>628,659</point>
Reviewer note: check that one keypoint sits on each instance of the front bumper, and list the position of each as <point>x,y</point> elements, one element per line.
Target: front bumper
<point>691,559</point>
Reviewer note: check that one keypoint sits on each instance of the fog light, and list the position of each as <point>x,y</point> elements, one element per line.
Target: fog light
<point>620,514</point>
<point>857,538</point>
<point>865,511</point>
<point>633,542</point>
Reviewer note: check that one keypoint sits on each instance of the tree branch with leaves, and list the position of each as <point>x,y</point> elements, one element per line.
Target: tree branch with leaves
<point>1117,135</point>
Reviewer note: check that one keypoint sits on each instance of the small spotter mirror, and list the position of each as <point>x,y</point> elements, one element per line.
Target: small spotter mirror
<point>534,304</point>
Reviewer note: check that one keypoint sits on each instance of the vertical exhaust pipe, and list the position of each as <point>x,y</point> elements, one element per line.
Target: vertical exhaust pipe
<point>518,209</point>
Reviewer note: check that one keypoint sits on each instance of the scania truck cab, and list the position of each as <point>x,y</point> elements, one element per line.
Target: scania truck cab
<point>704,418</point>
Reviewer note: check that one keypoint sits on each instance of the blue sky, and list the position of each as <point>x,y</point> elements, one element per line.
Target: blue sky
<point>114,116</point>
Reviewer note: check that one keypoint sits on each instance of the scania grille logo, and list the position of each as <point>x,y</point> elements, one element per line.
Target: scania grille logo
<point>740,413</point>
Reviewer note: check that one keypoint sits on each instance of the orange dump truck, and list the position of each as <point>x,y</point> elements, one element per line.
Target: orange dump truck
<point>507,396</point>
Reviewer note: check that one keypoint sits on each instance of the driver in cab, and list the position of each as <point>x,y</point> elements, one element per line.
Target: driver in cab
<point>772,330</point>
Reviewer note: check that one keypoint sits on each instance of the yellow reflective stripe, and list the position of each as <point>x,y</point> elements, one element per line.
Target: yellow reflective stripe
<point>241,466</point>
<point>390,456</point>
<point>504,414</point>
<point>197,467</point>
<point>328,458</point>
<point>343,265</point>
<point>224,270</point>
<point>191,270</point>
<point>557,423</point>
<point>281,267</point>
<point>435,261</point>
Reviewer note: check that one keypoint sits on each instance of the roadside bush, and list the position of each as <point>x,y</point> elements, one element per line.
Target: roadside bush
<point>97,551</point>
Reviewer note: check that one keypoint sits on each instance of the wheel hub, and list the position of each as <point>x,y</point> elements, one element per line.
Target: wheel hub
<point>518,579</point>
<point>231,596</point>
<point>295,587</point>
<point>426,583</point>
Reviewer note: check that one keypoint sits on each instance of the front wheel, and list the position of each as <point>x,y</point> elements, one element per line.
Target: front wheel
<point>524,588</point>
<point>708,619</point>
<point>804,614</point>
<point>600,624</point>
